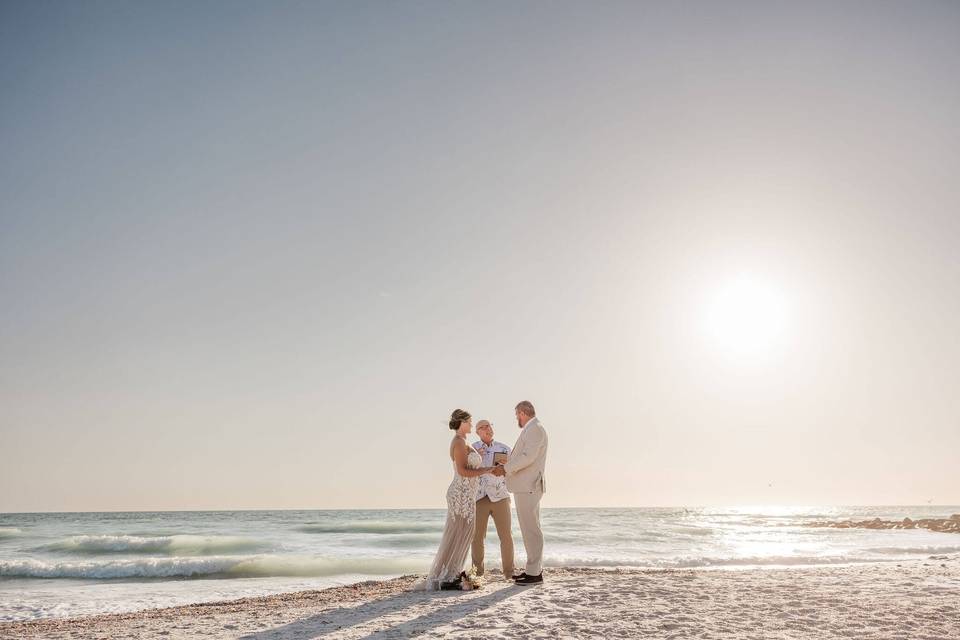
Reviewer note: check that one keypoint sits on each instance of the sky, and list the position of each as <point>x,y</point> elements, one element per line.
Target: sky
<point>253,254</point>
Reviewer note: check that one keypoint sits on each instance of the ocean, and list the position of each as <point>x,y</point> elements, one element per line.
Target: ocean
<point>70,564</point>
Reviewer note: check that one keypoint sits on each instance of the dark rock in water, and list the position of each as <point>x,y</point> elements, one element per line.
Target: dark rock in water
<point>943,525</point>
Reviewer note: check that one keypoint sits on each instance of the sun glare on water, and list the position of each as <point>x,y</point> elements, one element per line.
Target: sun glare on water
<point>746,319</point>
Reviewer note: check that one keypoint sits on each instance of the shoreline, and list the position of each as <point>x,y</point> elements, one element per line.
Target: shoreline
<point>921,597</point>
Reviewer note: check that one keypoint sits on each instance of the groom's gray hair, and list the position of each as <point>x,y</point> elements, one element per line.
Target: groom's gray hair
<point>527,407</point>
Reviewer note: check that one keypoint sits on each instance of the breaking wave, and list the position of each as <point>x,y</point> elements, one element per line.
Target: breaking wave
<point>173,545</point>
<point>210,567</point>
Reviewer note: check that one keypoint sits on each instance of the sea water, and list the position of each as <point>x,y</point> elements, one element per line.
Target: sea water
<point>69,564</point>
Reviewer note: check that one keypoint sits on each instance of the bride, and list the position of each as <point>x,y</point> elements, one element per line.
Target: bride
<point>447,569</point>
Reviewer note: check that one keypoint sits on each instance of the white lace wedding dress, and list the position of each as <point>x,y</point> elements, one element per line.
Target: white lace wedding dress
<point>458,531</point>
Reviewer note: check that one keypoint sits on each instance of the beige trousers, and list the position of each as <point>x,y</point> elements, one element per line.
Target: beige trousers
<point>500,510</point>
<point>528,515</point>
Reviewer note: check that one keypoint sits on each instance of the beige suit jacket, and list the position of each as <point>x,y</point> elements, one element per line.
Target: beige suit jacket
<point>525,466</point>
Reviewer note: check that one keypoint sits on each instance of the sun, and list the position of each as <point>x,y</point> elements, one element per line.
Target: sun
<point>746,318</point>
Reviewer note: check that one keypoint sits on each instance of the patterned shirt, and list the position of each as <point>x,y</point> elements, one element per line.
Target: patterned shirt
<point>491,486</point>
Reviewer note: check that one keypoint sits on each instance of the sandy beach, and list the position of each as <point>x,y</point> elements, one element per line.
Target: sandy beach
<point>916,599</point>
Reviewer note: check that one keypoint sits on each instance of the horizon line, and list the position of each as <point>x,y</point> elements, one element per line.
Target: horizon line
<point>716,506</point>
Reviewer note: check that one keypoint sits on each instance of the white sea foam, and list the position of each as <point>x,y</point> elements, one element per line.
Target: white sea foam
<point>213,566</point>
<point>9,532</point>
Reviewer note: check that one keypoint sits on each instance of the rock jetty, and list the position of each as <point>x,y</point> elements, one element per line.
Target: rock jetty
<point>944,525</point>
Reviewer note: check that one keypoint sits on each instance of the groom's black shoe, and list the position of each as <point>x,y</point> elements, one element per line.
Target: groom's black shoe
<point>519,576</point>
<point>525,579</point>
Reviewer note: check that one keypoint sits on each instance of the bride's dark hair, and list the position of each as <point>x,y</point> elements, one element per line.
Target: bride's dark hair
<point>458,416</point>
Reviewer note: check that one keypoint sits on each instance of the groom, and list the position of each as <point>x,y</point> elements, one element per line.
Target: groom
<point>524,474</point>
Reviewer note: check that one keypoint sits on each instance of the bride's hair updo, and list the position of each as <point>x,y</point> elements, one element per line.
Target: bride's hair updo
<point>458,416</point>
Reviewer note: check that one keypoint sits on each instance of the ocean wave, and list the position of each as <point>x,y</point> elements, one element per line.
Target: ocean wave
<point>398,541</point>
<point>174,545</point>
<point>9,532</point>
<point>209,567</point>
<point>373,527</point>
<point>301,567</point>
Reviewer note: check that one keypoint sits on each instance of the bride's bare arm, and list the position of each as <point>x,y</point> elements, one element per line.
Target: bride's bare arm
<point>460,459</point>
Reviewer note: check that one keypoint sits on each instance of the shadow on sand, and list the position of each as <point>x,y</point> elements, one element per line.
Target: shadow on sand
<point>334,620</point>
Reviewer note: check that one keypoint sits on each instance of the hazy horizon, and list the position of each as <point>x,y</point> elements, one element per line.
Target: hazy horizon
<point>253,255</point>
<point>761,508</point>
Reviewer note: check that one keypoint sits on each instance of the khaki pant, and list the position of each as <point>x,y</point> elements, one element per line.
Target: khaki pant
<point>500,510</point>
<point>528,515</point>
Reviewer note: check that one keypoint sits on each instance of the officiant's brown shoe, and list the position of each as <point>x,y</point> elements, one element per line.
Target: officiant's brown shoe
<point>525,579</point>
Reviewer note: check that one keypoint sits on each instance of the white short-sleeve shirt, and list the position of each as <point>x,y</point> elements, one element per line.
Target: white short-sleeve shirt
<point>491,486</point>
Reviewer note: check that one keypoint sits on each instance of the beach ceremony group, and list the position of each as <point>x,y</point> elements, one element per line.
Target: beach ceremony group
<point>486,319</point>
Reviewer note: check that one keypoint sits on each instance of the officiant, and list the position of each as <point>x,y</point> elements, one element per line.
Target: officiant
<point>492,500</point>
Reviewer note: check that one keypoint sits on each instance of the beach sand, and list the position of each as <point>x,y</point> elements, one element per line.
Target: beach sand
<point>915,600</point>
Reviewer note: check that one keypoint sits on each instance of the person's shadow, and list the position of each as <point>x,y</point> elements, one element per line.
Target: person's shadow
<point>333,620</point>
<point>460,608</point>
